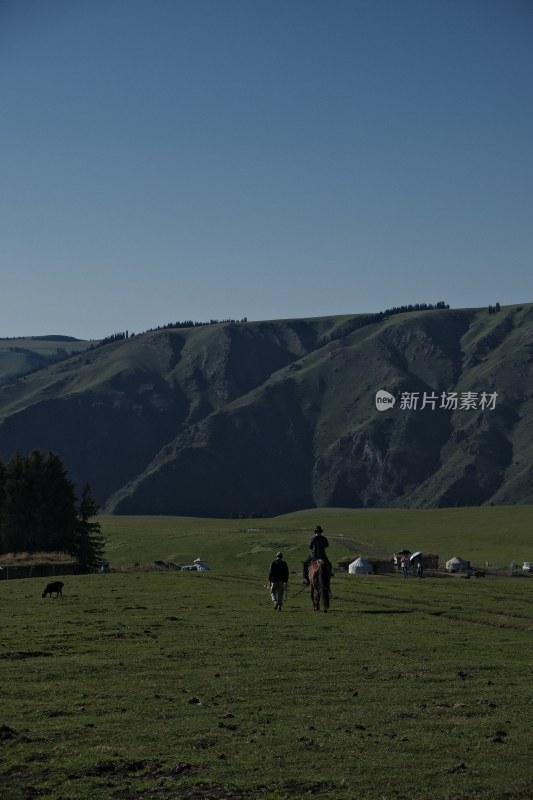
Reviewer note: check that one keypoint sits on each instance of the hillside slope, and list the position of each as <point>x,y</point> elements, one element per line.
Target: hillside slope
<point>269,417</point>
<point>20,356</point>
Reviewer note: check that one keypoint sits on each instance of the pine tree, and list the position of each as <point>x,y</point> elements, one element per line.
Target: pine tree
<point>16,513</point>
<point>57,504</point>
<point>37,504</point>
<point>88,543</point>
<point>2,502</point>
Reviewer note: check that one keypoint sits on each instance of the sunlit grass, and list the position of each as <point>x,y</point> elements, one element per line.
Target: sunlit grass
<point>497,535</point>
<point>188,685</point>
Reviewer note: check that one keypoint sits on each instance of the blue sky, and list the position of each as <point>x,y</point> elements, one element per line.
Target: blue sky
<point>163,160</point>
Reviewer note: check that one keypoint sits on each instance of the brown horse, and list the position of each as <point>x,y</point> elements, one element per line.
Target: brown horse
<point>319,577</point>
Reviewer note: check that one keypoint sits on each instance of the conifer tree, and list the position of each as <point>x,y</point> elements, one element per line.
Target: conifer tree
<point>39,509</point>
<point>88,543</point>
<point>16,514</point>
<point>57,504</point>
<point>2,502</point>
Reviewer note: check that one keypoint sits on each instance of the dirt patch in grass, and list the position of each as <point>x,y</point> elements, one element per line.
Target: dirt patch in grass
<point>8,734</point>
<point>202,791</point>
<point>303,788</point>
<point>211,791</point>
<point>122,768</point>
<point>22,654</point>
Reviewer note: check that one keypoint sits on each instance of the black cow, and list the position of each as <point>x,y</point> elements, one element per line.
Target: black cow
<point>56,586</point>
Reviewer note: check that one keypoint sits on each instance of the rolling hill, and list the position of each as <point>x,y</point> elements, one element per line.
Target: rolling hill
<point>19,356</point>
<point>274,416</point>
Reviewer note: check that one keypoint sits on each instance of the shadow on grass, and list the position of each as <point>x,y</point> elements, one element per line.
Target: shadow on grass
<point>388,611</point>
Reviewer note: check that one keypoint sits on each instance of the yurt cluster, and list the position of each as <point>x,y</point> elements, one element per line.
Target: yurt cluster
<point>401,560</point>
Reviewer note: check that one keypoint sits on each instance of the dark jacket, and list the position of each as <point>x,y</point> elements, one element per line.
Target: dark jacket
<point>318,545</point>
<point>279,571</point>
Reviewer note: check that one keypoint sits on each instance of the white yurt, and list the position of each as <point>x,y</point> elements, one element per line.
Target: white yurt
<point>456,564</point>
<point>360,567</point>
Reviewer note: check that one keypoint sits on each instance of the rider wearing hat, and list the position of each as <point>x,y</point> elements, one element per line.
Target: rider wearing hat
<point>317,546</point>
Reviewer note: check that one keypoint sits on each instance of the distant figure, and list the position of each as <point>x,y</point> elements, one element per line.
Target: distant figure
<point>278,577</point>
<point>419,569</point>
<point>317,546</point>
<point>405,567</point>
<point>56,586</point>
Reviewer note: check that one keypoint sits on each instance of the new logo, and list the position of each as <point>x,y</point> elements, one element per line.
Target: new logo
<point>384,400</point>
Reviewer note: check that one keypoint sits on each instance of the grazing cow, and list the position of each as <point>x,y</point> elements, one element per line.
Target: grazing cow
<point>56,586</point>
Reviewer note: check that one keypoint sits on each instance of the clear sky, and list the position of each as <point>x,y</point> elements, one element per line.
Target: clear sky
<point>163,160</point>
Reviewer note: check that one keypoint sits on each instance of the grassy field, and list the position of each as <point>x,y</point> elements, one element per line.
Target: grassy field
<point>498,535</point>
<point>166,685</point>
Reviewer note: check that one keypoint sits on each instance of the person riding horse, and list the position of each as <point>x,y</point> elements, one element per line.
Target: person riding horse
<point>317,546</point>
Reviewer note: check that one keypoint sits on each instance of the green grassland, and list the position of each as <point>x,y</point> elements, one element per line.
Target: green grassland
<point>498,535</point>
<point>165,684</point>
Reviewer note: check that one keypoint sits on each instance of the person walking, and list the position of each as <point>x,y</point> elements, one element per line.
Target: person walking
<point>405,566</point>
<point>278,577</point>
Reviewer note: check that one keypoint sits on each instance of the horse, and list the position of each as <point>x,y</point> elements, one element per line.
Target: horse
<point>319,577</point>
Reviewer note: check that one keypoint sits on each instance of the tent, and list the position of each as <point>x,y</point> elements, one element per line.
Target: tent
<point>457,564</point>
<point>197,566</point>
<point>360,567</point>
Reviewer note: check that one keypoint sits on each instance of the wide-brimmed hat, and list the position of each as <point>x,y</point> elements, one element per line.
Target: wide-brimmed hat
<point>318,529</point>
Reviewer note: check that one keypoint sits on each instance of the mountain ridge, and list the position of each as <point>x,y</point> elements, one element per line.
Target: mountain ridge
<point>269,417</point>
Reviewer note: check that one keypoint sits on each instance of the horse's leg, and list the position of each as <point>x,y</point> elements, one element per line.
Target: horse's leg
<point>325,599</point>
<point>317,585</point>
<point>324,588</point>
<point>325,593</point>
